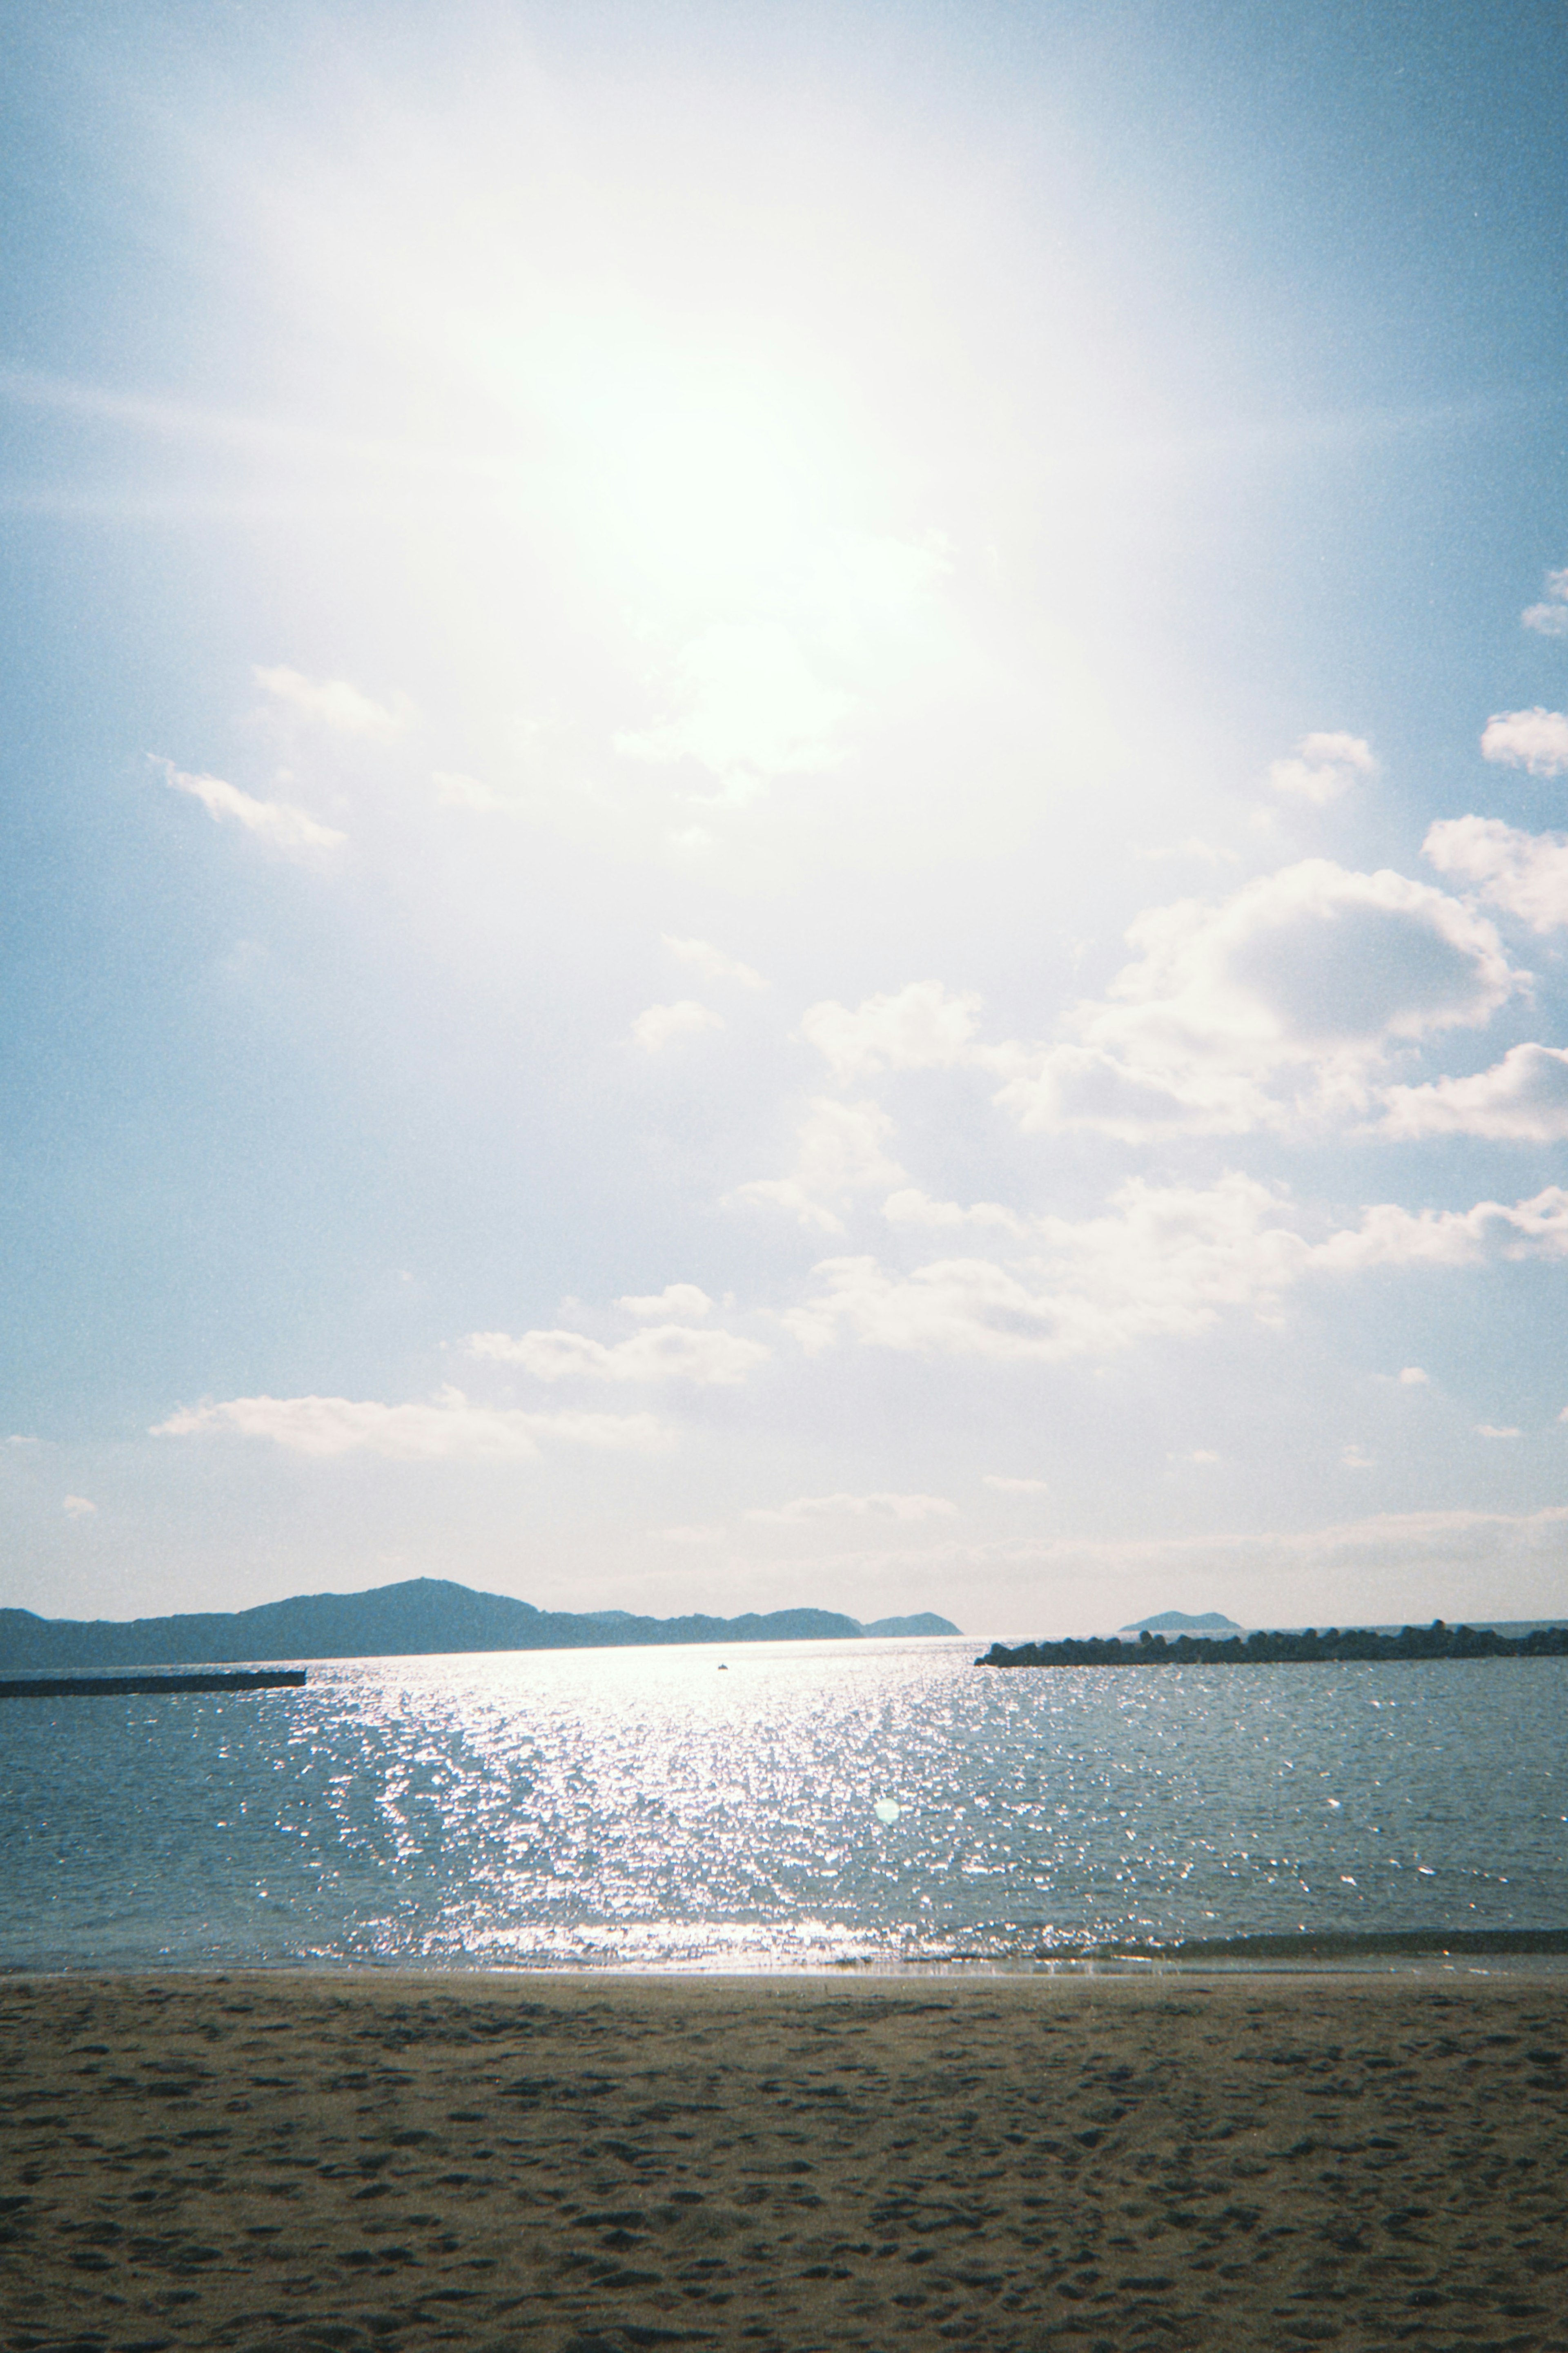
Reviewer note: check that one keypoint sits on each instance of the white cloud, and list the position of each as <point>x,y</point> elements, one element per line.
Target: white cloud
<point>839,1152</point>
<point>1081,1086</point>
<point>1412,1378</point>
<point>1522,1099</point>
<point>333,703</point>
<point>1201,1456</point>
<point>278,822</point>
<point>450,1430</point>
<point>705,1533</point>
<point>1390,1236</point>
<point>1356,1458</point>
<point>919,1027</point>
<point>1308,975</point>
<point>1535,739</point>
<point>748,705</point>
<point>880,1506</point>
<point>713,963</point>
<point>1164,1261</point>
<point>1323,766</point>
<point>666,1352</point>
<point>1552,618</point>
<point>1016,1486</point>
<point>677,1302</point>
<point>1311,958</point>
<point>660,1023</point>
<point>910,1207</point>
<point>1526,874</point>
<point>455,791</point>
<point>1204,853</point>
<point>1495,1429</point>
<point>76,1507</point>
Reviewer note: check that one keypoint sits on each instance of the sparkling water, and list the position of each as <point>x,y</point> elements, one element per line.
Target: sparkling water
<point>780,1804</point>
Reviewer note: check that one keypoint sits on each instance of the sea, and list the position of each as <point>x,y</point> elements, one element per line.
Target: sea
<point>882,1805</point>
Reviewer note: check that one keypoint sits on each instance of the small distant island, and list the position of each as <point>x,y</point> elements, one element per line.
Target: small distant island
<point>421,1617</point>
<point>1308,1647</point>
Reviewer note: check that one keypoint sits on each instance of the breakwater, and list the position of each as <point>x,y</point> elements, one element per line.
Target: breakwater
<point>1308,1647</point>
<point>95,1686</point>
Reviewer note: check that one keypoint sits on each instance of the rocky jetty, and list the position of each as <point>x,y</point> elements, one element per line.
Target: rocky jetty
<point>1308,1647</point>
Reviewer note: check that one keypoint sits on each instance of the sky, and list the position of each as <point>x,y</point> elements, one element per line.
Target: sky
<point>782,797</point>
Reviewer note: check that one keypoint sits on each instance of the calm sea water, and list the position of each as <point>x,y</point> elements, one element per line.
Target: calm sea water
<point>656,1807</point>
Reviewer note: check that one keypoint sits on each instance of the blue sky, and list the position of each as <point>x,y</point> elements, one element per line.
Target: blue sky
<point>782,797</point>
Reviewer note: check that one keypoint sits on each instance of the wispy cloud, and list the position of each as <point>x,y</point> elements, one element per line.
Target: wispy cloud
<point>677,1302</point>
<point>666,1352</point>
<point>878,1506</point>
<point>77,1507</point>
<point>455,791</point>
<point>839,1152</point>
<point>655,1028</point>
<point>1015,1486</point>
<point>449,1429</point>
<point>711,962</point>
<point>334,703</point>
<point>276,822</point>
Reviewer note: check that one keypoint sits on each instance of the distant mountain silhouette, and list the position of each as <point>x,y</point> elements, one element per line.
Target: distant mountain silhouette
<point>924,1621</point>
<point>1173,1621</point>
<point>422,1616</point>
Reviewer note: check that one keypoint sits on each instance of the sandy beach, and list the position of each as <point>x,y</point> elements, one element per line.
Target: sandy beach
<point>588,2164</point>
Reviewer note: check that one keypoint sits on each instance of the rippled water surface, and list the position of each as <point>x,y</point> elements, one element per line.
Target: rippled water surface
<point>660,1806</point>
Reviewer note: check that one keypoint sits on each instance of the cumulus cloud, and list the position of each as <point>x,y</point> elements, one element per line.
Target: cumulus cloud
<point>1495,1429</point>
<point>1015,1486</point>
<point>1525,873</point>
<point>1162,1262</point>
<point>919,1027</point>
<point>333,703</point>
<point>277,822</point>
<point>713,963</point>
<point>665,1352</point>
<point>1535,739</point>
<point>660,1023</point>
<point>76,1507</point>
<point>1082,1086</point>
<point>1412,1378</point>
<point>1356,1458</point>
<point>677,1302</point>
<point>449,1429</point>
<point>1307,975</point>
<point>1522,1099</point>
<point>1550,618</point>
<point>880,1506</point>
<point>1322,766</point>
<point>839,1152</point>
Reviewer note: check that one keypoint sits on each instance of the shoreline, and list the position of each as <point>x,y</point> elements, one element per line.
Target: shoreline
<point>384,2160</point>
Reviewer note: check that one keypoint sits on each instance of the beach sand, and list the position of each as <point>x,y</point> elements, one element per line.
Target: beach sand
<point>592,2164</point>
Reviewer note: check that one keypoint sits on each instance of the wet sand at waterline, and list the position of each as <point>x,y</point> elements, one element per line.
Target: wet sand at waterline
<point>588,2164</point>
